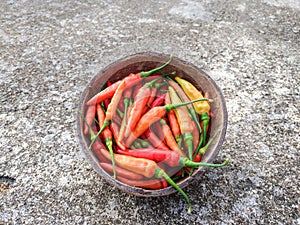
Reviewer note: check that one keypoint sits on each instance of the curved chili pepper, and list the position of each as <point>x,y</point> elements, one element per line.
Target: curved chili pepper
<point>89,117</point>
<point>173,122</point>
<point>158,101</point>
<point>194,93</point>
<point>107,135</point>
<point>104,94</point>
<point>171,158</point>
<point>169,138</point>
<point>115,131</point>
<point>155,141</point>
<point>151,117</point>
<point>139,104</point>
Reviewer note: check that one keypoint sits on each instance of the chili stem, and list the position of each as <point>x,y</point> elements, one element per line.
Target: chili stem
<point>203,149</point>
<point>159,173</point>
<point>148,73</point>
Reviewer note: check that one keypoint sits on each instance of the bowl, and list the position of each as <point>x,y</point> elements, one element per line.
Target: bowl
<point>144,62</point>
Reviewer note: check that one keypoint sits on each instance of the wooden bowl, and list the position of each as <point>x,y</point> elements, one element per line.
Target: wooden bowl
<point>144,62</point>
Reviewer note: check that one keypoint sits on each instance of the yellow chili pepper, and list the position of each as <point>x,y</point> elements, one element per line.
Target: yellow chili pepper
<point>193,93</point>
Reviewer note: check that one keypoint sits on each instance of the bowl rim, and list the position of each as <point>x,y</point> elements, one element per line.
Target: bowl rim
<point>136,190</point>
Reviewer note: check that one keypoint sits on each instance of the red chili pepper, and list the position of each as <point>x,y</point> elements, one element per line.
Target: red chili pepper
<point>151,117</point>
<point>155,141</point>
<point>173,122</point>
<point>153,184</point>
<point>171,158</point>
<point>115,131</point>
<point>97,145</point>
<point>89,117</point>
<point>147,168</point>
<point>121,172</point>
<point>158,101</point>
<point>107,135</point>
<point>169,138</point>
<point>112,107</point>
<point>139,104</point>
<point>104,94</point>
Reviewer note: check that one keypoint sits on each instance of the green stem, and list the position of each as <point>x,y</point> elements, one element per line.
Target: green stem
<point>108,143</point>
<point>205,119</point>
<point>189,163</point>
<point>148,73</point>
<point>203,149</point>
<point>159,173</point>
<point>170,107</point>
<point>105,124</point>
<point>188,138</point>
<point>152,82</point>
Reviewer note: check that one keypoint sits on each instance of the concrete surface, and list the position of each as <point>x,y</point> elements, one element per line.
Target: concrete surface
<point>51,49</point>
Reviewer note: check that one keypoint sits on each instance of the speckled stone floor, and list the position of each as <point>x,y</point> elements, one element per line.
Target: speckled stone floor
<point>49,50</point>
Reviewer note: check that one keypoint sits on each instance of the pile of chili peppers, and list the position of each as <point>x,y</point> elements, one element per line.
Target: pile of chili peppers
<point>149,130</point>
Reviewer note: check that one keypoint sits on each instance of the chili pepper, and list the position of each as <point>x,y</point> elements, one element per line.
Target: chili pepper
<point>190,107</point>
<point>147,168</point>
<point>153,184</point>
<point>173,122</point>
<point>115,131</point>
<point>155,141</point>
<point>171,158</point>
<point>139,103</point>
<point>109,83</point>
<point>151,117</point>
<point>104,94</point>
<point>121,172</point>
<point>107,135</point>
<point>112,107</point>
<point>194,93</point>
<point>184,122</point>
<point>89,117</point>
<point>126,100</point>
<point>169,138</point>
<point>105,103</point>
<point>158,101</point>
<point>97,145</point>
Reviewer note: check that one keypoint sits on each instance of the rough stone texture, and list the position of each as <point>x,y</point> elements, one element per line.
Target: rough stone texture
<point>51,49</point>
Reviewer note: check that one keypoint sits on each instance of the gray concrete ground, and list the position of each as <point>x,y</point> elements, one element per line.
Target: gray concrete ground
<point>51,49</point>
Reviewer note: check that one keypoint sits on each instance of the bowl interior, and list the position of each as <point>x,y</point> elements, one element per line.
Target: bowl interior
<point>145,62</point>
